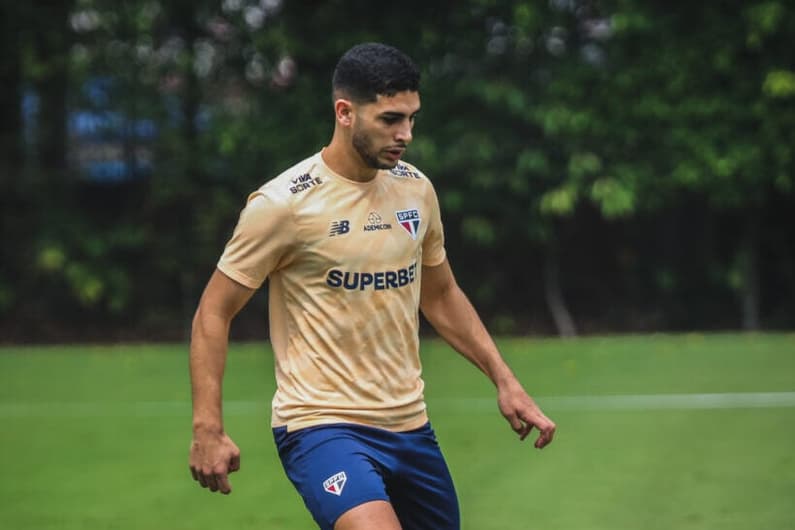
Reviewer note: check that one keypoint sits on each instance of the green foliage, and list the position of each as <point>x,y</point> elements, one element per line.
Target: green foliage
<point>559,201</point>
<point>479,229</point>
<point>543,123</point>
<point>764,19</point>
<point>614,199</point>
<point>779,84</point>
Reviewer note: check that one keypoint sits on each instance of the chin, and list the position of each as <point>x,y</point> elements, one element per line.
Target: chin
<point>380,164</point>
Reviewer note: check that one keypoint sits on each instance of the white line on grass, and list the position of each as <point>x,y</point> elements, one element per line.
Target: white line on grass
<point>142,409</point>
<point>149,409</point>
<point>746,400</point>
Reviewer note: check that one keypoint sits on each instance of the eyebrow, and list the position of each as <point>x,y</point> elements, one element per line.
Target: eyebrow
<point>396,114</point>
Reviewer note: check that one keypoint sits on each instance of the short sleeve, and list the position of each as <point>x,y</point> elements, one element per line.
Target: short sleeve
<point>433,252</point>
<point>261,240</point>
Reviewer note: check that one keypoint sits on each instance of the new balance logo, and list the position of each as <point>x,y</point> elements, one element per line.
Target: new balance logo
<point>337,228</point>
<point>335,483</point>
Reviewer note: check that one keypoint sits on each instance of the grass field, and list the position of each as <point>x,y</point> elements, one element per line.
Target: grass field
<point>655,432</point>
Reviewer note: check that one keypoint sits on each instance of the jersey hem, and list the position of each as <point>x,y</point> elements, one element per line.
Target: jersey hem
<point>293,426</point>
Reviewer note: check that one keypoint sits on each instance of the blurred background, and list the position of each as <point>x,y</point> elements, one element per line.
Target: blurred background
<point>602,166</point>
<point>614,167</point>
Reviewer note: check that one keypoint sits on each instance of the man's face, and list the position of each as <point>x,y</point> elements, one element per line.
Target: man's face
<point>382,130</point>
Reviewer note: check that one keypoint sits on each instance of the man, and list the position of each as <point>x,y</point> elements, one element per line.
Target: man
<point>351,241</point>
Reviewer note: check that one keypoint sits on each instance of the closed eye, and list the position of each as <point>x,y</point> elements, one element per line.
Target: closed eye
<point>391,118</point>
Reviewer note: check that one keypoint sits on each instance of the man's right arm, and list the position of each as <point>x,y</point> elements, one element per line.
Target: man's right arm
<point>213,455</point>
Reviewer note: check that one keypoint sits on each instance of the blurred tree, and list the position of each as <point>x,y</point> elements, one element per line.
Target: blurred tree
<point>10,89</point>
<point>686,107</point>
<point>601,165</point>
<point>499,81</point>
<point>629,106</point>
<point>49,68</point>
<point>11,142</point>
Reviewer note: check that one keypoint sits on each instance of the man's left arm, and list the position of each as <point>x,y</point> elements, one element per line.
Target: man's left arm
<point>451,313</point>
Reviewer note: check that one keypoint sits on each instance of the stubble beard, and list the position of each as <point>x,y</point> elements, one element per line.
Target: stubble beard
<point>361,142</point>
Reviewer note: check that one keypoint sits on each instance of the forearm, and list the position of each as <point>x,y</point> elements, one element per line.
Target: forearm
<point>449,311</point>
<point>455,319</point>
<point>208,350</point>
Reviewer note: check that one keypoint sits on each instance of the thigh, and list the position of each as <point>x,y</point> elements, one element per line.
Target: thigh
<point>422,493</point>
<point>331,469</point>
<point>373,514</point>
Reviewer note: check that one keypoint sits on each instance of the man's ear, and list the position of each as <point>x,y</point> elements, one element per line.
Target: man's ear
<point>343,111</point>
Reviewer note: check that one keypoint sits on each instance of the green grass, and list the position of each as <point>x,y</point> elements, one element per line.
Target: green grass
<point>96,438</point>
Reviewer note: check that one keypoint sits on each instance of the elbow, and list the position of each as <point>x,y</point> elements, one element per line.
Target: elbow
<point>434,302</point>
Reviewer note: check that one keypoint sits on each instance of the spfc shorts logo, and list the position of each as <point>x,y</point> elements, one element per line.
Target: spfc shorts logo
<point>335,483</point>
<point>410,221</point>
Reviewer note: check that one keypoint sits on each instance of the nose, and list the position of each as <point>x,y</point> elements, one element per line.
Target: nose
<point>403,133</point>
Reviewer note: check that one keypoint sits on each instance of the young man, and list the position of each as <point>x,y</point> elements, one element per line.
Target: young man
<point>351,241</point>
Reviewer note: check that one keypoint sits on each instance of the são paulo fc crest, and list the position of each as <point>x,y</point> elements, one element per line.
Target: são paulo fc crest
<point>335,483</point>
<point>410,221</point>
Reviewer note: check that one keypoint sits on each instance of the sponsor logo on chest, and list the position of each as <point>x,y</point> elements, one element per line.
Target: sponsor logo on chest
<point>303,182</point>
<point>376,281</point>
<point>408,219</point>
<point>339,228</point>
<point>375,222</point>
<point>402,170</point>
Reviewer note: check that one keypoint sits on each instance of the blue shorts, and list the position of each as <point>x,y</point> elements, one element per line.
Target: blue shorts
<point>338,467</point>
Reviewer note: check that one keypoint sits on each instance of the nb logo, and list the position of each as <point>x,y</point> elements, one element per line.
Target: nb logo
<point>337,228</point>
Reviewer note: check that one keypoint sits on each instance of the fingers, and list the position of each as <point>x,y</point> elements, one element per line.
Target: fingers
<point>213,481</point>
<point>516,424</point>
<point>547,432</point>
<point>211,462</point>
<point>198,476</point>
<point>543,440</point>
<point>223,484</point>
<point>234,463</point>
<point>525,432</point>
<point>216,479</point>
<point>519,426</point>
<point>544,425</point>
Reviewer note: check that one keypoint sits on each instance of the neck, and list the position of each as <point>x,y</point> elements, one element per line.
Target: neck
<point>342,158</point>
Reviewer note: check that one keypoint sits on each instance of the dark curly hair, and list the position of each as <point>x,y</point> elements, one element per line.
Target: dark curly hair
<point>371,69</point>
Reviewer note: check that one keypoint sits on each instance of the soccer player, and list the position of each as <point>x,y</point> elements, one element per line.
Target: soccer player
<point>351,241</point>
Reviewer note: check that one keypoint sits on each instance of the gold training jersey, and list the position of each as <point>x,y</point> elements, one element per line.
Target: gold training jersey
<point>343,260</point>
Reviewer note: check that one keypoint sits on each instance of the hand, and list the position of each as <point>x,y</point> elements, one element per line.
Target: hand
<point>523,414</point>
<point>213,455</point>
